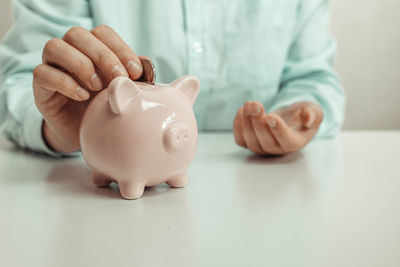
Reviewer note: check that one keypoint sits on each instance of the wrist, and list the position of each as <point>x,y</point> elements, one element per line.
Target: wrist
<point>54,142</point>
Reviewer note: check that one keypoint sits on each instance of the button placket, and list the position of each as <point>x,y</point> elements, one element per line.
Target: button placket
<point>196,49</point>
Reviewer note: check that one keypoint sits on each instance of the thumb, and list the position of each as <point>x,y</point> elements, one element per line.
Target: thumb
<point>312,117</point>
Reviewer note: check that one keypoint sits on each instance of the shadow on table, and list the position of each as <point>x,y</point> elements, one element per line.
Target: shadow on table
<point>75,178</point>
<point>293,157</point>
<point>67,176</point>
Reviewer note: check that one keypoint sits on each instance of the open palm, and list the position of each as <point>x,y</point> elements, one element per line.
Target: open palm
<point>286,130</point>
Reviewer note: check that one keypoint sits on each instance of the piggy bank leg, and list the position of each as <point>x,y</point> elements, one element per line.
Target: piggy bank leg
<point>100,179</point>
<point>179,180</point>
<point>131,190</point>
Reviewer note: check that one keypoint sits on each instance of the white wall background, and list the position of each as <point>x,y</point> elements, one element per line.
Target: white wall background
<point>5,16</point>
<point>368,33</point>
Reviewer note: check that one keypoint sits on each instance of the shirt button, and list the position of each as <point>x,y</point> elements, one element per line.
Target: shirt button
<point>197,47</point>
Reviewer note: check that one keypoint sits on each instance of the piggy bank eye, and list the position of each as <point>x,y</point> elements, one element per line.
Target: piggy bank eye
<point>176,137</point>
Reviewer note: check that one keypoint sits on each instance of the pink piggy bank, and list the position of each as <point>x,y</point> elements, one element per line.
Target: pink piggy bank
<point>139,134</point>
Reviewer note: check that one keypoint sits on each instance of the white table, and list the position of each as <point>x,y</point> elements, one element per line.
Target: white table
<point>336,203</point>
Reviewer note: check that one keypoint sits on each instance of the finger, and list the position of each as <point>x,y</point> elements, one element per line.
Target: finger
<point>288,140</point>
<point>312,117</point>
<point>248,131</point>
<point>103,58</point>
<point>54,80</point>
<point>262,131</point>
<point>125,54</point>
<point>58,52</point>
<point>238,128</point>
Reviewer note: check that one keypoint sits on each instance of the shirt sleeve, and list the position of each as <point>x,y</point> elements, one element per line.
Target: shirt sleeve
<point>34,23</point>
<point>308,74</point>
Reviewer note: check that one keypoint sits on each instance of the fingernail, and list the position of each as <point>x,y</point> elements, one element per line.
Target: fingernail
<point>271,122</point>
<point>256,110</point>
<point>96,83</point>
<point>118,71</point>
<point>134,67</point>
<point>311,119</point>
<point>247,109</point>
<point>82,93</point>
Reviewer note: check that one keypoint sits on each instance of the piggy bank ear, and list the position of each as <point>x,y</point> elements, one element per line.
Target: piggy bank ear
<point>121,91</point>
<point>189,87</point>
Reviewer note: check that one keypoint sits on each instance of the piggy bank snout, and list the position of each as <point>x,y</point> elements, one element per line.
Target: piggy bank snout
<point>176,137</point>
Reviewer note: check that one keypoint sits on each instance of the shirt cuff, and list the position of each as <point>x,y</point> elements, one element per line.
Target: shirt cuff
<point>33,134</point>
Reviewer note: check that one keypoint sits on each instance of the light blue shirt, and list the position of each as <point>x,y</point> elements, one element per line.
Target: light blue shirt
<point>275,52</point>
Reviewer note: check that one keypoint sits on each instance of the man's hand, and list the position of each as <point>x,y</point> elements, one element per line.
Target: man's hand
<point>286,130</point>
<point>75,68</point>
